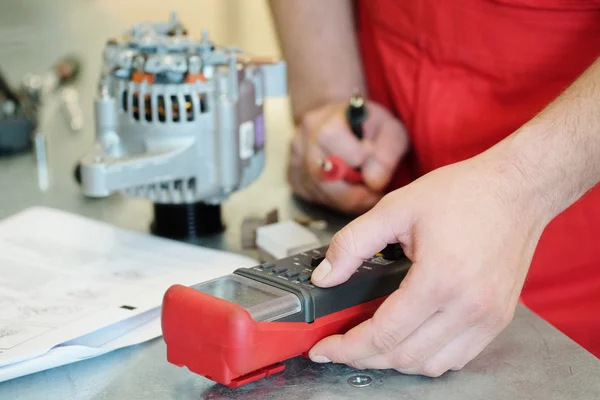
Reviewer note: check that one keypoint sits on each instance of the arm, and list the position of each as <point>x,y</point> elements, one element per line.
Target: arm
<point>558,151</point>
<point>318,42</point>
<point>471,230</point>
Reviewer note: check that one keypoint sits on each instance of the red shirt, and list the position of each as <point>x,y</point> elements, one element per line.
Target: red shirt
<point>464,74</point>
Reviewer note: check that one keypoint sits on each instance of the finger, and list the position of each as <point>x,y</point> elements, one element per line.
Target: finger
<point>389,144</point>
<point>305,153</point>
<point>403,312</point>
<point>298,178</point>
<point>350,199</point>
<point>427,340</point>
<point>300,184</point>
<point>335,137</point>
<point>313,156</point>
<point>456,354</point>
<point>359,240</point>
<point>339,195</point>
<point>464,347</point>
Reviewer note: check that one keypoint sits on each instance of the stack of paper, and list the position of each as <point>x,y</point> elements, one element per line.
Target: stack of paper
<point>73,288</point>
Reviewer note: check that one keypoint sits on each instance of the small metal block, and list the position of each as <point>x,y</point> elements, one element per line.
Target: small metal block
<point>360,381</point>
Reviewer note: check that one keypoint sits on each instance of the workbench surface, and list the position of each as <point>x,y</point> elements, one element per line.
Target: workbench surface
<point>529,360</point>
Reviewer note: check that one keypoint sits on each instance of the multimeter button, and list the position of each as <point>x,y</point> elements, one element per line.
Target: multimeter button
<point>292,274</point>
<point>303,278</point>
<point>278,270</point>
<point>268,266</point>
<point>315,261</point>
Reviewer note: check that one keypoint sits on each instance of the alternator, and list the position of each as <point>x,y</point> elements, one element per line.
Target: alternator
<point>178,120</point>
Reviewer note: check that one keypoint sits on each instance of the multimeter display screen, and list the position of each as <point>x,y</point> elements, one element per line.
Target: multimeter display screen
<point>264,302</point>
<point>237,292</point>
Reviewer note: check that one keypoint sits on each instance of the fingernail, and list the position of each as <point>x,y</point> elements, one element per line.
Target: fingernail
<point>321,271</point>
<point>320,359</point>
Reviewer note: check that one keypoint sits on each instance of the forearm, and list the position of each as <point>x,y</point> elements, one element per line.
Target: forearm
<point>557,153</point>
<point>318,42</point>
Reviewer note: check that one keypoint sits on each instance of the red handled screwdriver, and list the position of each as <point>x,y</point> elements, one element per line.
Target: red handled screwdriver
<point>334,168</point>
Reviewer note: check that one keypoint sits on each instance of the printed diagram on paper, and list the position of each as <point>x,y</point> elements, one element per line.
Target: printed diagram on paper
<point>13,335</point>
<point>63,276</point>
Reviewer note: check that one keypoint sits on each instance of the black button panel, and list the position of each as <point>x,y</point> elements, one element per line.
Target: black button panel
<point>298,269</point>
<point>315,261</point>
<point>378,276</point>
<point>292,274</point>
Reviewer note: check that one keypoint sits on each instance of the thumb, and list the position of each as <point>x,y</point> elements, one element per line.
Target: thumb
<point>388,145</point>
<point>359,240</point>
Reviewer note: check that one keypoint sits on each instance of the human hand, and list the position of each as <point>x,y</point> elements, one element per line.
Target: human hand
<point>470,230</point>
<point>325,131</point>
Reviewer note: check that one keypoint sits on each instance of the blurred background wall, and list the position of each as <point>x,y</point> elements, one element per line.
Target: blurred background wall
<point>30,33</point>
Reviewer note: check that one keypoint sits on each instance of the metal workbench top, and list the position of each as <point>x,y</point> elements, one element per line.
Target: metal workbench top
<point>529,360</point>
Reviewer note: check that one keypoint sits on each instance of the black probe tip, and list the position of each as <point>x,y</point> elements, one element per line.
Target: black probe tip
<point>356,113</point>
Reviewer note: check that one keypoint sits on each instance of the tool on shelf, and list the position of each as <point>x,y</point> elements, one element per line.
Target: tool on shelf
<point>20,108</point>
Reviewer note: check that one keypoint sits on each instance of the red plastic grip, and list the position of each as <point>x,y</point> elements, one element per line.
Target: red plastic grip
<point>340,171</point>
<point>220,341</point>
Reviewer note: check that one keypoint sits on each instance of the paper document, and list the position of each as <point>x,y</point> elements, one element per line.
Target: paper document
<point>65,277</point>
<point>139,329</point>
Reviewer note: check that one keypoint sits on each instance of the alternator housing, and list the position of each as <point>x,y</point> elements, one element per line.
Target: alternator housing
<point>178,120</point>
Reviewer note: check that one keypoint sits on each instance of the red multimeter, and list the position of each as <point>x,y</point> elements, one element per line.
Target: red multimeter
<point>239,328</point>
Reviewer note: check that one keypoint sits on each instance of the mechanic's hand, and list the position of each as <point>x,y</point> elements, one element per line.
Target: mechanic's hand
<point>325,131</point>
<point>470,231</point>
